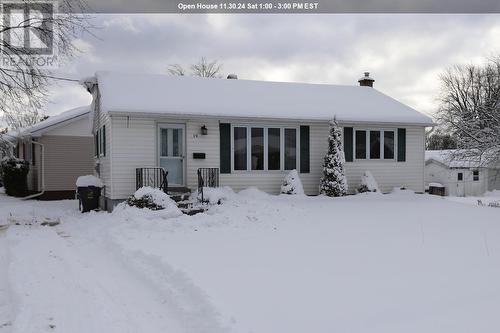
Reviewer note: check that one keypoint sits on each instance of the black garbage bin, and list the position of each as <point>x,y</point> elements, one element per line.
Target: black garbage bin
<point>88,197</point>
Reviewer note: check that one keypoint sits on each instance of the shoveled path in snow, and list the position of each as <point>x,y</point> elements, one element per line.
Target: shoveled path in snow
<point>71,278</point>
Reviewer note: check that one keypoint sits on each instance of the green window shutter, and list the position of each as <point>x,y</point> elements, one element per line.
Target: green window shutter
<point>348,144</point>
<point>104,140</point>
<point>96,146</point>
<point>401,144</point>
<point>304,149</point>
<point>225,148</point>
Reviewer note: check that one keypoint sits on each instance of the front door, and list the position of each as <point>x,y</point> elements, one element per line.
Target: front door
<point>171,154</point>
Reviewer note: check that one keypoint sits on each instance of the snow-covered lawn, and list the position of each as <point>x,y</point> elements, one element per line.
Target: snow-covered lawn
<point>257,263</point>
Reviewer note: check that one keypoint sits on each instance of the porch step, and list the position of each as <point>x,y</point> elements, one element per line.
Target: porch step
<point>193,211</point>
<point>179,196</point>
<point>187,206</point>
<point>178,189</point>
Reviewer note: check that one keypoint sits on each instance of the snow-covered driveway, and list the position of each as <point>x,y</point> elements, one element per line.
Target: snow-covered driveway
<point>258,263</point>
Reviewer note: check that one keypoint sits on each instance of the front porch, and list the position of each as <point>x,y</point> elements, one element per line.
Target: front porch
<point>157,177</point>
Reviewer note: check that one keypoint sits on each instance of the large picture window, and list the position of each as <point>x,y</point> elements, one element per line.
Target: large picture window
<point>388,145</point>
<point>360,144</point>
<point>240,148</point>
<point>257,148</point>
<point>374,144</point>
<point>290,148</point>
<point>273,149</point>
<point>261,148</point>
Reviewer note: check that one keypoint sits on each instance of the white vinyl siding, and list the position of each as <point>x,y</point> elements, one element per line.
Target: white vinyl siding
<point>390,173</point>
<point>134,144</point>
<point>103,119</point>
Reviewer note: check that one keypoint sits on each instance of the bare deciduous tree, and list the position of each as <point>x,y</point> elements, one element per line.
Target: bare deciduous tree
<point>23,81</point>
<point>470,109</point>
<point>202,68</point>
<point>176,69</point>
<point>439,140</point>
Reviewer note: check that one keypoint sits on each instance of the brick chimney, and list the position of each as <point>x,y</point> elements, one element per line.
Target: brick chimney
<point>366,81</point>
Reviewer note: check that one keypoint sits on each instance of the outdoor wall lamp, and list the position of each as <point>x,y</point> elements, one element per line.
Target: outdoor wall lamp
<point>204,130</point>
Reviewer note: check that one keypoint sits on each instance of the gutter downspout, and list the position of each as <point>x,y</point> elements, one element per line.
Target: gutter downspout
<point>42,159</point>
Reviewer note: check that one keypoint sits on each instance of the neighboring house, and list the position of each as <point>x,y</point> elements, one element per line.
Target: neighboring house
<point>254,132</point>
<point>59,150</point>
<point>460,177</point>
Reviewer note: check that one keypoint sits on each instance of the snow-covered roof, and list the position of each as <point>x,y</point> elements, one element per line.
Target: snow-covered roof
<point>453,158</point>
<point>49,123</point>
<point>164,94</point>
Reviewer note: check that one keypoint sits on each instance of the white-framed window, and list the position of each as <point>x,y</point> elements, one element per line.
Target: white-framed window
<point>475,175</point>
<point>264,147</point>
<point>374,144</point>
<point>100,142</point>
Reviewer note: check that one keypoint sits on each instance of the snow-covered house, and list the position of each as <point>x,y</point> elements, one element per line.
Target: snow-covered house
<point>460,176</point>
<point>59,150</point>
<point>253,132</point>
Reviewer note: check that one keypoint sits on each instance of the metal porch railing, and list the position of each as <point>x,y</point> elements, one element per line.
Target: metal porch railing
<point>207,177</point>
<point>153,177</point>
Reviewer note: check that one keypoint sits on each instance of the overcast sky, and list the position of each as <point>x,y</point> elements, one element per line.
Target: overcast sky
<point>403,52</point>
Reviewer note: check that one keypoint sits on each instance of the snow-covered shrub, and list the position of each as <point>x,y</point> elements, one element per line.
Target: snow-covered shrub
<point>368,183</point>
<point>292,184</point>
<point>14,174</point>
<point>151,198</point>
<point>216,195</point>
<point>334,183</point>
<point>88,180</point>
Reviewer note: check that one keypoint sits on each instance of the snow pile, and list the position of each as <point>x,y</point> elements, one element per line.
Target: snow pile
<point>402,191</point>
<point>148,202</point>
<point>223,272</point>
<point>368,183</point>
<point>253,192</point>
<point>88,180</point>
<point>292,184</point>
<point>494,193</point>
<point>217,195</point>
<point>435,185</point>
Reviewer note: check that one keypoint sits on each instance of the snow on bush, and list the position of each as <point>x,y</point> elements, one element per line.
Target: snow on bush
<point>14,172</point>
<point>216,195</point>
<point>368,183</point>
<point>334,183</point>
<point>292,184</point>
<point>88,180</point>
<point>148,202</point>
<point>151,198</point>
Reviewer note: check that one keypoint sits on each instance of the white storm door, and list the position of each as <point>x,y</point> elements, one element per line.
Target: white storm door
<point>171,154</point>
